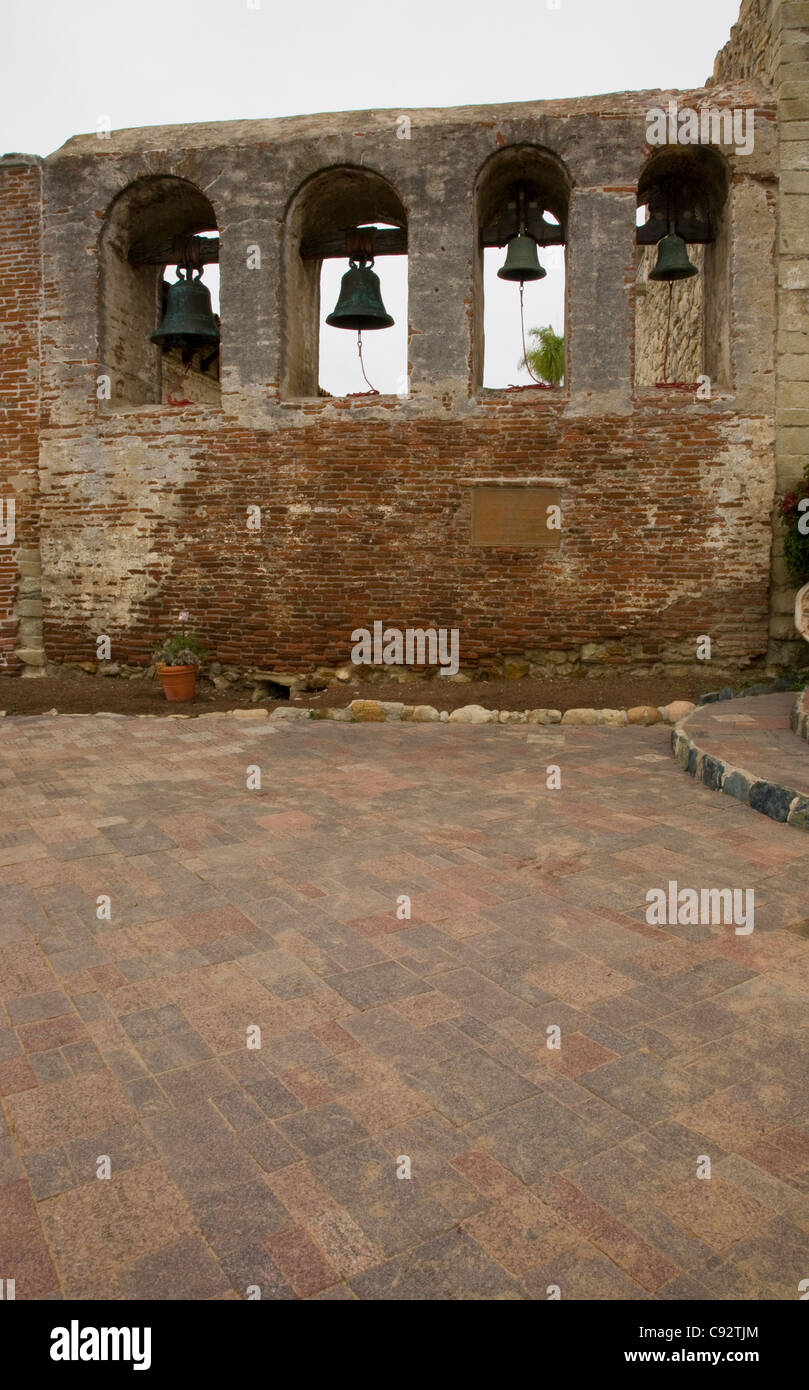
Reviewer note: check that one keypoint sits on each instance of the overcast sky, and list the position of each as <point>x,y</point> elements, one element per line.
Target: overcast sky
<point>66,63</point>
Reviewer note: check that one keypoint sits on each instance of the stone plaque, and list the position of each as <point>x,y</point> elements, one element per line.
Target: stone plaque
<point>515,516</point>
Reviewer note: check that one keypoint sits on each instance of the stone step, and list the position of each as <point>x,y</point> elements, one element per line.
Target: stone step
<point>748,749</point>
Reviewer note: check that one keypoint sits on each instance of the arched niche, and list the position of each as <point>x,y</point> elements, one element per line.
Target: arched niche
<point>143,231</point>
<point>327,206</point>
<point>682,328</point>
<point>546,184</point>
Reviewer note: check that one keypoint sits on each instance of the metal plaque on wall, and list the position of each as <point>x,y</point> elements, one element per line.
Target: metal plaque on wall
<point>516,516</point>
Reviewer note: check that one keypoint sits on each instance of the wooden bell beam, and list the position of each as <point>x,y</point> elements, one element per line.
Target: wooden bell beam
<point>682,200</point>
<point>544,233</point>
<point>386,241</point>
<point>196,251</point>
<point>695,230</point>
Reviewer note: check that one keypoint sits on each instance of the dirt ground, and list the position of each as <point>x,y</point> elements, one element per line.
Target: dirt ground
<point>74,693</point>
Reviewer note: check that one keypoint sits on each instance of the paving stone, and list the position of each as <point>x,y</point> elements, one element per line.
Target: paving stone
<point>302,1261</point>
<point>322,1129</point>
<point>582,1272</point>
<point>385,1036</point>
<point>105,1223</point>
<point>68,1109</point>
<point>451,1267</point>
<point>644,1086</point>
<point>49,1172</point>
<point>22,1248</point>
<point>183,1270</point>
<point>536,1137</point>
<point>464,1088</point>
<point>377,984</point>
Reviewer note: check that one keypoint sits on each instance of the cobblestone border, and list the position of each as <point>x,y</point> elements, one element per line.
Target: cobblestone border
<point>380,711</point>
<point>769,798</point>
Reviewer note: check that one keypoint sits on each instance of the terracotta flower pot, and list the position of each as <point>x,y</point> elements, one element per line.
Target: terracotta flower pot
<point>179,682</point>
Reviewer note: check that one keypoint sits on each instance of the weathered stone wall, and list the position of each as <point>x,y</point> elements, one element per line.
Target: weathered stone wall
<point>668,341</point>
<point>365,503</point>
<point>771,42</point>
<point>750,52</point>
<point>791,83</point>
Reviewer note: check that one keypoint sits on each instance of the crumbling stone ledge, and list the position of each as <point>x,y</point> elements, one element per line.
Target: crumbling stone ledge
<point>771,799</point>
<point>799,718</point>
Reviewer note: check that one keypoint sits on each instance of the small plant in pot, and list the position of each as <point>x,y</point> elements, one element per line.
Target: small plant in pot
<point>178,660</point>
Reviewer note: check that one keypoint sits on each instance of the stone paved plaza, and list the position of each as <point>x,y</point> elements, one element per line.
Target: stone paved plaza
<point>384,1039</point>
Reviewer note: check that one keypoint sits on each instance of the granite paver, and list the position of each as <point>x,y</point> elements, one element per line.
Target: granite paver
<point>393,1025</point>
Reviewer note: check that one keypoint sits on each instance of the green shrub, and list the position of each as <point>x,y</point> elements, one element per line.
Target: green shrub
<point>796,545</point>
<point>180,649</point>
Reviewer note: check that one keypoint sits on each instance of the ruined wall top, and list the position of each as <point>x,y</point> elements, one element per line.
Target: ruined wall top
<point>745,90</point>
<point>749,52</point>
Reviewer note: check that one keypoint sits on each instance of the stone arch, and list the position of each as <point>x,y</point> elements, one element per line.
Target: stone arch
<point>689,186</point>
<point>548,183</point>
<point>152,212</point>
<point>326,206</point>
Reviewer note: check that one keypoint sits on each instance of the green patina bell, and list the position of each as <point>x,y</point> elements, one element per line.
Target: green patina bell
<point>359,305</point>
<point>522,261</point>
<point>188,322</point>
<point>672,260</point>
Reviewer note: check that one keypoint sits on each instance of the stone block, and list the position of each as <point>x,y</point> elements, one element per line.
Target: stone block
<point>515,668</point>
<point>772,800</point>
<point>643,714</point>
<point>544,716</point>
<point>472,714</point>
<point>614,718</point>
<point>580,716</point>
<point>367,711</point>
<point>738,784</point>
<point>677,710</point>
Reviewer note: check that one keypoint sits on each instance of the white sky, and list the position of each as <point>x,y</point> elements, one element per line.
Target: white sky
<point>66,63</point>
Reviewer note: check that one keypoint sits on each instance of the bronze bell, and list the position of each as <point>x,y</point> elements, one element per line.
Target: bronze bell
<point>672,260</point>
<point>359,305</point>
<point>188,322</point>
<point>522,261</point>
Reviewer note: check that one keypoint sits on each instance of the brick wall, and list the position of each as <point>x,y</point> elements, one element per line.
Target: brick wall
<point>20,299</point>
<point>368,517</point>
